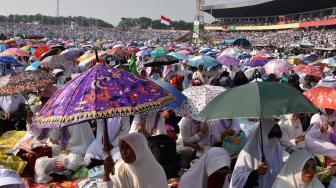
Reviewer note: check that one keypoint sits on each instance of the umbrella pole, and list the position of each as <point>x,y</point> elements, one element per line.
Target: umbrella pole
<point>108,161</point>
<point>262,143</point>
<point>106,138</point>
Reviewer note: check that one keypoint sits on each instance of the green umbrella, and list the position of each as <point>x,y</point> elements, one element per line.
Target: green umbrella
<point>257,100</point>
<point>159,52</point>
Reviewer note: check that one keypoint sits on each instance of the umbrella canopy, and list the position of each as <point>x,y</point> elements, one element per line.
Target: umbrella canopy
<point>242,42</point>
<point>161,60</point>
<point>24,82</point>
<point>159,52</point>
<point>133,50</point>
<point>10,60</point>
<point>118,52</point>
<point>57,62</point>
<point>197,98</point>
<point>180,97</point>
<point>295,61</point>
<point>258,99</point>
<point>101,92</point>
<point>18,52</point>
<point>178,55</point>
<point>309,70</point>
<point>322,97</point>
<point>185,52</point>
<point>330,62</point>
<point>41,50</point>
<point>143,53</point>
<point>245,56</point>
<point>204,60</point>
<point>277,67</point>
<point>231,51</point>
<point>72,52</point>
<point>34,66</point>
<point>257,63</point>
<point>228,60</point>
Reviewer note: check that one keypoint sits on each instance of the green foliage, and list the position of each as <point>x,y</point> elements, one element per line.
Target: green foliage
<point>51,20</point>
<point>145,23</point>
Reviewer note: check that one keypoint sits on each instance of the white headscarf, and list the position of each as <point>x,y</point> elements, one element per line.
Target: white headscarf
<point>10,179</point>
<point>290,130</point>
<point>251,155</point>
<point>150,121</point>
<point>145,172</point>
<point>81,137</point>
<point>197,175</point>
<point>290,174</point>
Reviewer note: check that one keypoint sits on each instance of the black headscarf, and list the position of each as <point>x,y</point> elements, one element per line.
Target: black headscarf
<point>240,79</point>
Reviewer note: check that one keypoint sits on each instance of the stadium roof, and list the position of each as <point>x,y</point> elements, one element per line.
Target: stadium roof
<point>256,8</point>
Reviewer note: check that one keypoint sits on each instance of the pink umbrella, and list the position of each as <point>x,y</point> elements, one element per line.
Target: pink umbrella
<point>228,60</point>
<point>278,67</point>
<point>185,52</point>
<point>17,52</point>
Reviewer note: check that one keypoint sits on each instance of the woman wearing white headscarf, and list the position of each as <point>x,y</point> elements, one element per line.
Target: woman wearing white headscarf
<point>317,139</point>
<point>10,179</point>
<point>250,170</point>
<point>211,162</point>
<point>292,133</point>
<point>117,127</point>
<point>138,169</point>
<point>298,172</point>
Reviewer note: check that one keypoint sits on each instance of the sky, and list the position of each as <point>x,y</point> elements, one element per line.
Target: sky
<point>108,10</point>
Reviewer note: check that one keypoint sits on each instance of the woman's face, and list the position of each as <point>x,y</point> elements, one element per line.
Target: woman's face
<point>275,132</point>
<point>308,171</point>
<point>127,153</point>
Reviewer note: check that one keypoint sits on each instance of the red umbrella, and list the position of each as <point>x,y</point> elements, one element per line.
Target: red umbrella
<point>40,50</point>
<point>258,58</point>
<point>309,70</point>
<point>133,50</point>
<point>322,97</point>
<point>118,52</point>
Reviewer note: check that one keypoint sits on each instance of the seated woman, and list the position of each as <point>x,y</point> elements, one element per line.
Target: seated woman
<point>292,133</point>
<point>210,171</point>
<point>256,167</point>
<point>220,128</point>
<point>12,113</point>
<point>151,124</point>
<point>318,139</point>
<point>74,140</point>
<point>298,172</point>
<point>117,127</point>
<point>138,167</point>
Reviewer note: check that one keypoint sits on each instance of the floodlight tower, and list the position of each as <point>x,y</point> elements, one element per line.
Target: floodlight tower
<point>57,9</point>
<point>199,21</point>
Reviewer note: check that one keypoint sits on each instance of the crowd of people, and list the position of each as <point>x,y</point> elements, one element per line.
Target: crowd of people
<point>164,148</point>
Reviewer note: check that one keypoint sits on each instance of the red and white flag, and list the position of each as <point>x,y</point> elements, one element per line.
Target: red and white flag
<point>165,20</point>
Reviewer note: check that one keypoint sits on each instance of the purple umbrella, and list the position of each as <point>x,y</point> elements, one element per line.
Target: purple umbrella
<point>101,92</point>
<point>257,63</point>
<point>228,60</point>
<point>72,53</point>
<point>143,53</point>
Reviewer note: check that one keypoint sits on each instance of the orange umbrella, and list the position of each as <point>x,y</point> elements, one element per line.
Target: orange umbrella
<point>118,52</point>
<point>322,97</point>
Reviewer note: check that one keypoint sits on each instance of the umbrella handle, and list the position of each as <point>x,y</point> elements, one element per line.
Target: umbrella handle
<point>262,144</point>
<point>97,58</point>
<point>106,138</point>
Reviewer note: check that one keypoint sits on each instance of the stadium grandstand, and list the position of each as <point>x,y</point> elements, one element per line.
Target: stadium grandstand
<point>251,15</point>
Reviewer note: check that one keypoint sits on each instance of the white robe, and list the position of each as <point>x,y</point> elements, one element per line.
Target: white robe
<point>290,130</point>
<point>150,121</point>
<point>318,142</point>
<point>11,103</point>
<point>145,172</point>
<point>189,130</point>
<point>217,127</point>
<point>332,183</point>
<point>251,155</point>
<point>197,176</point>
<point>290,174</point>
<point>117,127</point>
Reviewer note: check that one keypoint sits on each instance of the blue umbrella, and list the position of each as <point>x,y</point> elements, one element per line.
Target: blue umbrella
<point>242,42</point>
<point>245,56</point>
<point>205,50</point>
<point>178,55</point>
<point>257,63</point>
<point>204,60</point>
<point>10,60</point>
<point>2,47</point>
<point>34,66</point>
<point>172,90</point>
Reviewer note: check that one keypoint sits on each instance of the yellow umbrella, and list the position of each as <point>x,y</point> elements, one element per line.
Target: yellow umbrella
<point>295,61</point>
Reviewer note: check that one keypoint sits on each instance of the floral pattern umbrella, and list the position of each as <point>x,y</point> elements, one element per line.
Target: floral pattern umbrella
<point>24,82</point>
<point>309,70</point>
<point>278,67</point>
<point>57,62</point>
<point>322,97</point>
<point>197,98</point>
<point>18,52</point>
<point>101,92</point>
